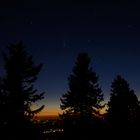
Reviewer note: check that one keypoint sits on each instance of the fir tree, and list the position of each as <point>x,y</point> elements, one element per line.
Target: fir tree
<point>83,99</point>
<point>18,87</point>
<point>123,106</point>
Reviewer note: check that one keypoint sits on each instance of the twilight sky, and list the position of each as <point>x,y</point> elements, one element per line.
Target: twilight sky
<point>56,32</point>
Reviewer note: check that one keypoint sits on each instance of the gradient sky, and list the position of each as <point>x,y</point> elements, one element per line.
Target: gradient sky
<point>56,32</point>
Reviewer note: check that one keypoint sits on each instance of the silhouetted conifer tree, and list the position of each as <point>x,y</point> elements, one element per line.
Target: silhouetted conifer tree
<point>18,88</point>
<point>83,100</point>
<point>123,106</point>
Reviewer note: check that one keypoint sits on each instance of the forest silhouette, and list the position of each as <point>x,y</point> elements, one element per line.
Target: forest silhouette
<point>80,105</point>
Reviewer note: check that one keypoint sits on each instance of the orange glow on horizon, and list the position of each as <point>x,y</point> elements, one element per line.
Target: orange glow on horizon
<point>47,113</point>
<point>57,111</point>
<point>103,110</point>
<point>50,112</point>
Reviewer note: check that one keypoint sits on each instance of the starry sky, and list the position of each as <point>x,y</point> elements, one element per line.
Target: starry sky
<point>56,32</point>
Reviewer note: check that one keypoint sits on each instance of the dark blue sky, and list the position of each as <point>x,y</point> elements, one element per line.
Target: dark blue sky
<point>56,32</point>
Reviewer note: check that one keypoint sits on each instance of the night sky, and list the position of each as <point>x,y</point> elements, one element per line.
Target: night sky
<point>55,33</point>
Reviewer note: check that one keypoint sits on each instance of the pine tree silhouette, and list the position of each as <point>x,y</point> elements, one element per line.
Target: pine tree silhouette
<point>82,102</point>
<point>123,106</point>
<point>19,92</point>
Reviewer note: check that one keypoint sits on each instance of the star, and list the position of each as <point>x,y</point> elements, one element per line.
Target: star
<point>89,41</point>
<point>30,22</point>
<point>129,26</point>
<point>64,43</point>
